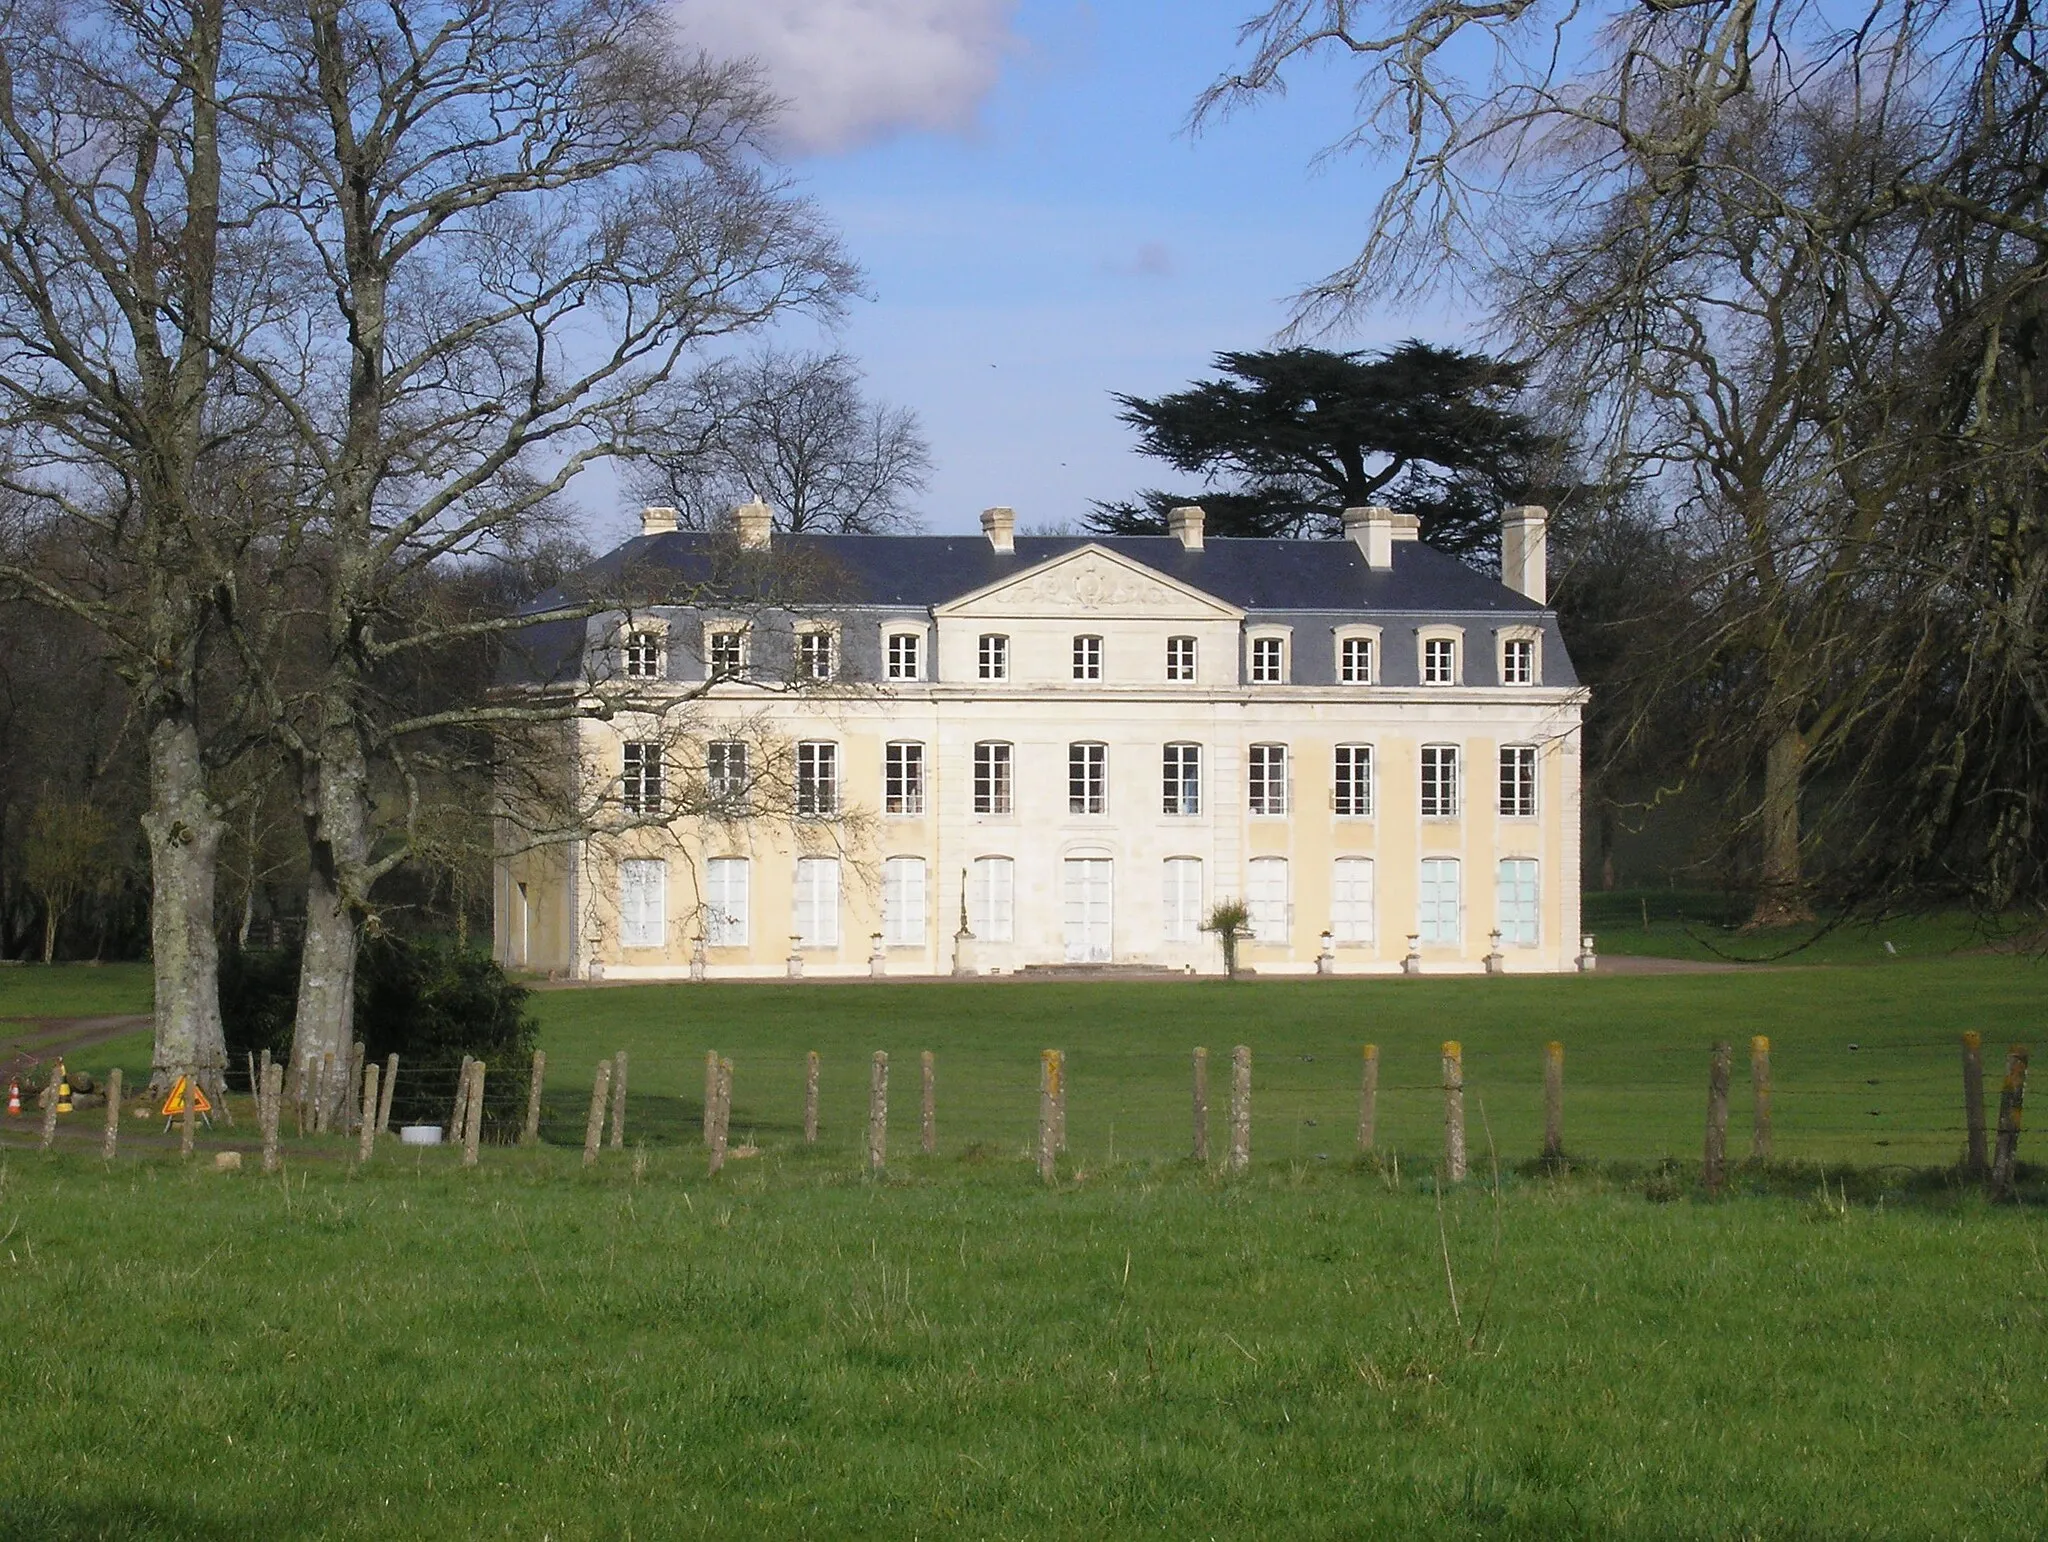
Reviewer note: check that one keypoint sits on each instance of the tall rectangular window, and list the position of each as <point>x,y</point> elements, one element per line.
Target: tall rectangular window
<point>1439,781</point>
<point>1354,661</point>
<point>1268,661</point>
<point>1087,658</point>
<point>1518,781</point>
<point>903,779</point>
<point>1518,661</point>
<point>995,656</point>
<point>1180,659</point>
<point>992,899</point>
<point>1516,915</point>
<point>1087,778</point>
<point>725,774</point>
<point>817,902</point>
<point>640,781</point>
<point>1267,779</point>
<point>1351,900</point>
<point>727,654</point>
<point>992,779</point>
<point>1183,777</point>
<point>1266,898</point>
<point>1182,900</point>
<point>817,777</point>
<point>643,902</point>
<point>1438,922</point>
<point>904,649</point>
<point>725,902</point>
<point>903,902</point>
<point>814,655</point>
<point>1352,787</point>
<point>643,656</point>
<point>1439,661</point>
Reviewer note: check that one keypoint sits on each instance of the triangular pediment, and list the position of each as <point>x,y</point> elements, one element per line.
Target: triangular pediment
<point>1090,580</point>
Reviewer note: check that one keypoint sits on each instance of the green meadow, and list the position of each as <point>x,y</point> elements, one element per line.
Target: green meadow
<point>1852,1343</point>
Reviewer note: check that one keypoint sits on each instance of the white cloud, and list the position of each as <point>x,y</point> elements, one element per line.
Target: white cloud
<point>857,70</point>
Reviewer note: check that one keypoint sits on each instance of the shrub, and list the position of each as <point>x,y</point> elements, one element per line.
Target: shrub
<point>1229,920</point>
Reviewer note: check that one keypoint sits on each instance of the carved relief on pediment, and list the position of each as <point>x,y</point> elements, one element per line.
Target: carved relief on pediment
<point>1092,584</point>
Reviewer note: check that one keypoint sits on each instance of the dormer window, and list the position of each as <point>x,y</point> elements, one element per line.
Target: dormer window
<point>1266,665</point>
<point>643,655</point>
<point>1087,658</point>
<point>905,656</point>
<point>1518,661</point>
<point>1440,660</point>
<point>1354,660</point>
<point>995,656</point>
<point>725,652</point>
<point>814,655</point>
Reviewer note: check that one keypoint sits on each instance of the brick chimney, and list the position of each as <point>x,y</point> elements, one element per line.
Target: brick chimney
<point>754,522</point>
<point>657,519</point>
<point>1524,542</point>
<point>1000,526</point>
<point>1186,523</point>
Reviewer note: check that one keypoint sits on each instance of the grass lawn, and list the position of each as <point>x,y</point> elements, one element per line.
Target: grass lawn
<point>73,990</point>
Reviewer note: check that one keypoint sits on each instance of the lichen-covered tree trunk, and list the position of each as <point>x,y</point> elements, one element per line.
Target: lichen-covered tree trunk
<point>1781,894</point>
<point>184,831</point>
<point>337,818</point>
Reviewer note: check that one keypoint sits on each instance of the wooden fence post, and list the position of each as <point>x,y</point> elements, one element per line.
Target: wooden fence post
<point>878,1111</point>
<point>2011,1100</point>
<point>928,1124</point>
<point>1059,1101</point>
<point>461,1101</point>
<point>1369,1099</point>
<point>367,1143</point>
<point>273,1115</point>
<point>593,1127</point>
<point>190,1122</point>
<point>710,1092</point>
<point>811,1098</point>
<point>50,1086</point>
<point>351,1100</point>
<point>1977,1156</point>
<point>1048,1077</point>
<point>529,1134</point>
<point>1454,1111</point>
<point>302,1080</point>
<point>323,1091</point>
<point>473,1131</point>
<point>619,1101</point>
<point>1713,1168</point>
<point>113,1136</point>
<point>1760,1091</point>
<point>721,1122</point>
<point>1240,1109</point>
<point>385,1093</point>
<point>1202,1106</point>
<point>1553,1102</point>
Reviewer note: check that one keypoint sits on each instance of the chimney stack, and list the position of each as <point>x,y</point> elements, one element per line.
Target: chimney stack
<point>1000,526</point>
<point>753,522</point>
<point>1524,542</point>
<point>657,519</point>
<point>1373,529</point>
<point>1186,523</point>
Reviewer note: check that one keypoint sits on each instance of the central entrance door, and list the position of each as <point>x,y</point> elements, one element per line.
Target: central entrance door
<point>1087,910</point>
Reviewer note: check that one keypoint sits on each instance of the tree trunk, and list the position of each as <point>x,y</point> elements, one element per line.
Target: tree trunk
<point>1781,899</point>
<point>337,839</point>
<point>49,932</point>
<point>184,832</point>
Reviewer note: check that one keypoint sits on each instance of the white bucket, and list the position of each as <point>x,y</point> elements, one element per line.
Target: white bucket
<point>420,1135</point>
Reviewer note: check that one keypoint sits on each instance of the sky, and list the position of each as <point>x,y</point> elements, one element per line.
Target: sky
<point>1038,229</point>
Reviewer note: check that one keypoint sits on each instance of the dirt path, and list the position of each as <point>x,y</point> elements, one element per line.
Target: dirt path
<point>36,1038</point>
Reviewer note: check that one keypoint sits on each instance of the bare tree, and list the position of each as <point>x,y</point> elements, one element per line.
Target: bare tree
<point>794,430</point>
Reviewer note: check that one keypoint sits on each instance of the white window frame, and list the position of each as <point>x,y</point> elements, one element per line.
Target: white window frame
<point>815,922</point>
<point>903,778</point>
<point>1354,901</point>
<point>643,924</point>
<point>1088,655</point>
<point>903,654</point>
<point>1271,920</point>
<point>995,777</point>
<point>737,669</point>
<point>1180,771</point>
<point>1455,637</point>
<point>641,776</point>
<point>1511,638</point>
<point>1088,777</point>
<point>1369,638</point>
<point>645,652</point>
<point>1183,660</point>
<point>817,778</point>
<point>1351,781</point>
<point>1519,928</point>
<point>811,639</point>
<point>1442,793</point>
<point>904,902</point>
<point>992,899</point>
<point>728,774</point>
<point>1268,770</point>
<point>728,897</point>
<point>1431,903</point>
<point>1180,900</point>
<point>1518,781</point>
<point>1268,642</point>
<point>992,656</point>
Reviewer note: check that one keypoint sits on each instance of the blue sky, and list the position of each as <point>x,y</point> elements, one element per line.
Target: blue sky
<point>1037,228</point>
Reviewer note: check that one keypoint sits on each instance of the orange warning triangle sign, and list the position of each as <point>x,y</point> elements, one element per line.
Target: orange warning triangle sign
<point>175,1103</point>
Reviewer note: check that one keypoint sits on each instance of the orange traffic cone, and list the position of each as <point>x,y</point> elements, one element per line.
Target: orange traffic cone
<point>14,1099</point>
